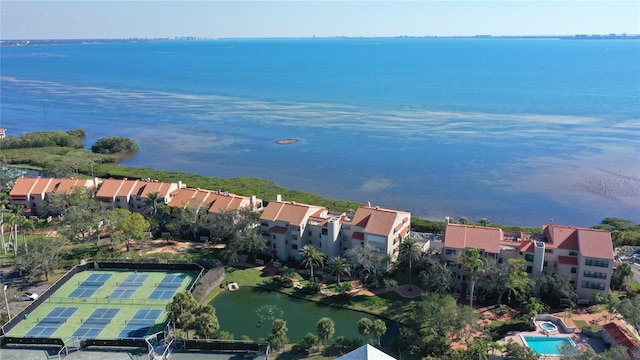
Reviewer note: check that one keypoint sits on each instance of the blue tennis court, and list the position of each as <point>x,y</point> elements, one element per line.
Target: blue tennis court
<point>167,288</point>
<point>141,323</point>
<point>50,323</point>
<point>89,287</point>
<point>93,326</point>
<point>129,286</point>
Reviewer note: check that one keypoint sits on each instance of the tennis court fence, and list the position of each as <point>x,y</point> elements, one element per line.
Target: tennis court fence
<point>107,301</point>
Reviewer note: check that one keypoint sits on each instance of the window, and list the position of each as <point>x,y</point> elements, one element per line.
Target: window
<point>264,224</point>
<point>598,263</point>
<point>499,260</point>
<point>573,253</point>
<point>548,251</point>
<point>529,269</point>
<point>274,245</point>
<point>545,263</point>
<point>450,252</point>
<point>310,233</point>
<point>294,237</point>
<point>574,270</point>
<point>595,274</point>
<point>592,285</point>
<point>528,257</point>
<point>325,231</point>
<point>294,246</point>
<point>273,236</point>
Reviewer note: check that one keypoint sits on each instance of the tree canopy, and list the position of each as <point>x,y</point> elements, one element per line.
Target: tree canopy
<point>114,145</point>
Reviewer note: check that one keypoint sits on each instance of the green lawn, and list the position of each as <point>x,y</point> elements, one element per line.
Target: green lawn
<point>389,305</point>
<point>581,324</point>
<point>100,299</point>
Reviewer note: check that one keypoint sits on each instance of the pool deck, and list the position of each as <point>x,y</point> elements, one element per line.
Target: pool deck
<point>582,342</point>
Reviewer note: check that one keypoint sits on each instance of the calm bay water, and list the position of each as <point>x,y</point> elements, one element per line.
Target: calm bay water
<point>516,130</point>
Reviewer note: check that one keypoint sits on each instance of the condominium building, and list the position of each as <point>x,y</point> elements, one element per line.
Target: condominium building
<point>31,193</point>
<point>289,226</point>
<point>585,255</point>
<point>129,194</point>
<point>133,195</point>
<point>214,202</point>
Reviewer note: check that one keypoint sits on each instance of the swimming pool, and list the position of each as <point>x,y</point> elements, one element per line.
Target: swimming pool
<point>545,345</point>
<point>547,326</point>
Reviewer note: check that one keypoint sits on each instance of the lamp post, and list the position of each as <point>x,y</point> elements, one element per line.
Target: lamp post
<point>4,290</point>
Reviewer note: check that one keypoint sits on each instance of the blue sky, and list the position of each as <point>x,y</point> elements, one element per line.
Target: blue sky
<point>215,19</point>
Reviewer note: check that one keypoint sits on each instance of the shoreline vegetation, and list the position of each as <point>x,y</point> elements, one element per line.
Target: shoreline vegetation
<point>64,154</point>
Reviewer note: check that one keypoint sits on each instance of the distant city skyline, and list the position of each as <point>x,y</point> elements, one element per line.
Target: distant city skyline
<point>90,19</point>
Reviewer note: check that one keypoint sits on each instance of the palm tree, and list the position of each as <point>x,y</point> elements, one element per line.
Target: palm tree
<point>410,252</point>
<point>25,225</point>
<point>339,266</point>
<point>151,203</point>
<point>484,222</point>
<point>12,219</point>
<point>311,257</point>
<point>472,263</point>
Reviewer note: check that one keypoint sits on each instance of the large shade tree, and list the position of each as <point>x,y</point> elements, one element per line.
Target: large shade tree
<point>515,280</point>
<point>128,226</point>
<point>181,309</point>
<point>278,337</point>
<point>373,265</point>
<point>44,256</point>
<point>435,276</point>
<point>621,276</point>
<point>204,321</point>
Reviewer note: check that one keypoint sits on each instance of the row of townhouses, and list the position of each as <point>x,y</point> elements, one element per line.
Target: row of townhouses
<point>585,255</point>
<point>287,225</point>
<point>31,193</point>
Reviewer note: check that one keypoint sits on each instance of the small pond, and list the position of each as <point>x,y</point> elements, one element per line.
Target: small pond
<point>240,312</point>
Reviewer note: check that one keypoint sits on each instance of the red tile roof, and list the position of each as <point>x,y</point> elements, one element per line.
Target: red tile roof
<point>23,187</point>
<point>568,260</point>
<point>595,243</point>
<point>589,242</point>
<point>289,212</point>
<point>526,246</point>
<point>621,336</point>
<point>561,237</point>
<point>376,220</point>
<point>41,185</point>
<point>109,188</point>
<point>460,236</point>
<point>67,186</point>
